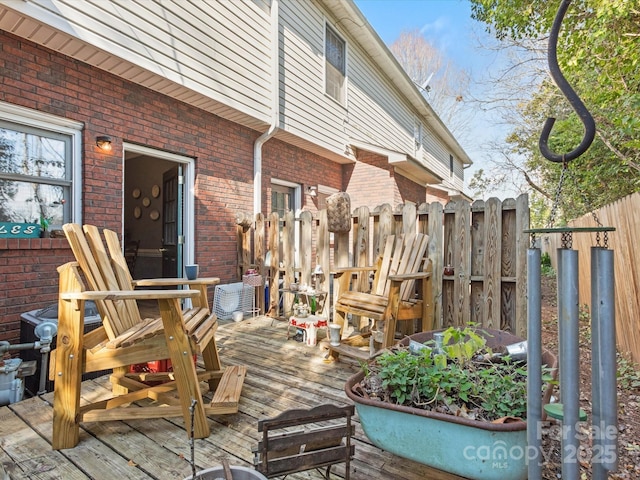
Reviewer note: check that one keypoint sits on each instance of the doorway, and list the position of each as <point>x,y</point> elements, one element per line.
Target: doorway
<point>158,223</point>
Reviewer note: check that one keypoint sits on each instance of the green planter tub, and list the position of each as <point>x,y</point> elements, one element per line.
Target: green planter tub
<point>472,449</point>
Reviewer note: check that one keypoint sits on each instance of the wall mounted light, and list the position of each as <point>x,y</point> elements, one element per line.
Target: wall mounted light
<point>104,143</point>
<point>312,191</point>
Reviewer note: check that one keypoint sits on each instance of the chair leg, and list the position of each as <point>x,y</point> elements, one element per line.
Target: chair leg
<point>119,389</point>
<point>68,376</point>
<point>339,318</point>
<point>184,368</point>
<point>212,362</point>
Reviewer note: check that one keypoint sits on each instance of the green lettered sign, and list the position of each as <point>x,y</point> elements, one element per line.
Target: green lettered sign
<point>19,230</point>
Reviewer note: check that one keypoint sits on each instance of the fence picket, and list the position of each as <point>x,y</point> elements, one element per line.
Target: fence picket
<point>483,242</point>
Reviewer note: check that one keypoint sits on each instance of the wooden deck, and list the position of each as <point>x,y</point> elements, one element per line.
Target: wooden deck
<point>282,374</point>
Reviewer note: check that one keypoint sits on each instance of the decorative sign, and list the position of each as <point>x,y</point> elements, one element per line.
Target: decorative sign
<point>19,230</point>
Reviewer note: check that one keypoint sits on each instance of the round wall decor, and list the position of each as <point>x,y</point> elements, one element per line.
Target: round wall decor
<point>137,213</point>
<point>136,193</point>
<point>154,215</point>
<point>146,202</point>
<point>155,191</point>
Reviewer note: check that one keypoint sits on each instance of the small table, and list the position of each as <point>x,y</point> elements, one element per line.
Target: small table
<point>309,326</point>
<point>318,296</point>
<point>253,280</point>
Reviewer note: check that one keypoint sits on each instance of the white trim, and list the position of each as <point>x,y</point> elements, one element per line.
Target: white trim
<point>297,192</point>
<point>188,254</point>
<point>46,121</point>
<point>327,190</point>
<point>345,87</point>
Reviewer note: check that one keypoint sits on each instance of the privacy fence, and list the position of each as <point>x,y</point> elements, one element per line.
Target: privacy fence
<point>478,252</point>
<point>624,216</point>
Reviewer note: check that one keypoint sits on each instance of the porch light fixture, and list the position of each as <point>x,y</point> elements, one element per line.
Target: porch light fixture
<point>104,143</point>
<point>312,191</point>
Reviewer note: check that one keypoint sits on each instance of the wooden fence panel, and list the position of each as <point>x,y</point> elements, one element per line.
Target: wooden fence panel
<point>624,216</point>
<point>522,243</point>
<point>435,249</point>
<point>323,250</point>
<point>492,263</point>
<point>450,316</point>
<point>477,262</point>
<point>483,243</point>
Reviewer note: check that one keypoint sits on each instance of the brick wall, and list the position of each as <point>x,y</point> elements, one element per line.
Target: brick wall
<point>35,77</point>
<point>372,182</point>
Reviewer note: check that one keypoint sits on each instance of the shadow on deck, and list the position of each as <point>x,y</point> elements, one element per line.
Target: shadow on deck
<point>282,374</point>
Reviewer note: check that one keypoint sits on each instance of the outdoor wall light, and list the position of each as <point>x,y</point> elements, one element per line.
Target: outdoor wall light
<point>104,143</point>
<point>312,191</point>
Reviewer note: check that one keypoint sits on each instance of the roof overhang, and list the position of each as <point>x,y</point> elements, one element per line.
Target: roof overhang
<point>402,163</point>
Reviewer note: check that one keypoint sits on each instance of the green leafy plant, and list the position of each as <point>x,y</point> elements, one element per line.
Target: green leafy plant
<point>463,378</point>
<point>628,373</point>
<point>545,265</point>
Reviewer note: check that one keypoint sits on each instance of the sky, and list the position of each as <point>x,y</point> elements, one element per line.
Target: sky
<point>447,25</point>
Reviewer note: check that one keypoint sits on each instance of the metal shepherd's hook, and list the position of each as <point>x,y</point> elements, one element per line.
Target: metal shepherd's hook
<point>572,96</point>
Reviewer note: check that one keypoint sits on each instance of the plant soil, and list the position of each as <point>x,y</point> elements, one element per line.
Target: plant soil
<point>628,403</point>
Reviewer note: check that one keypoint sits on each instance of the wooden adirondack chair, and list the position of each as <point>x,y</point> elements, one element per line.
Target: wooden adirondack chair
<point>125,338</point>
<point>392,297</point>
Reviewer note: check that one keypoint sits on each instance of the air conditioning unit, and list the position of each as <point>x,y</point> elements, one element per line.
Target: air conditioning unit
<point>232,297</point>
<point>30,321</point>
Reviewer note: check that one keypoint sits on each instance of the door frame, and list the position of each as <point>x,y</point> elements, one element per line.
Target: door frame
<point>188,207</point>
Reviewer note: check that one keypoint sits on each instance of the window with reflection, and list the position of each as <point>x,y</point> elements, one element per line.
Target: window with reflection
<point>35,175</point>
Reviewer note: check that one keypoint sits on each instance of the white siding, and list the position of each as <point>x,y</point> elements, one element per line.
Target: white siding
<point>307,111</point>
<point>219,52</point>
<point>375,113</point>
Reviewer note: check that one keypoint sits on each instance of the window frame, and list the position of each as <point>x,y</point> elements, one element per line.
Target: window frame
<point>34,119</point>
<point>342,97</point>
<point>417,136</point>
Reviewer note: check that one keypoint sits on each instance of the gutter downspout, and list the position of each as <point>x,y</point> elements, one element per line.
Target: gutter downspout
<point>275,112</point>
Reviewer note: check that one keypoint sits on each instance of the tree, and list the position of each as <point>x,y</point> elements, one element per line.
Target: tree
<point>599,55</point>
<point>447,89</point>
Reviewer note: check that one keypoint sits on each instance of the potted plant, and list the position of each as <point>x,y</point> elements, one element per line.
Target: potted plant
<point>452,399</point>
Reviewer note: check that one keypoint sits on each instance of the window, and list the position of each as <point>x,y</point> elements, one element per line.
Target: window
<point>282,199</point>
<point>417,136</point>
<point>451,165</point>
<point>35,175</point>
<point>335,65</point>
<point>38,161</point>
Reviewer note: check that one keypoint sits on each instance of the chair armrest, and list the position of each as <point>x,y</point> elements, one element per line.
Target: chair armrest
<point>129,294</point>
<point>351,270</point>
<point>164,282</point>
<point>409,276</point>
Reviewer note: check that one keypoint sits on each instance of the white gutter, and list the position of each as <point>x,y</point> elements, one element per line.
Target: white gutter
<point>275,112</point>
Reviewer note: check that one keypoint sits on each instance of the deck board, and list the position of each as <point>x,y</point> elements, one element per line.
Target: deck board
<point>281,375</point>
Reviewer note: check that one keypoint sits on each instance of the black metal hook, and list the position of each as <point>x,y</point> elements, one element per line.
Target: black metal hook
<point>570,94</point>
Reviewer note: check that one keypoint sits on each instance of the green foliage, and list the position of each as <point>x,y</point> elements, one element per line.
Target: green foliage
<point>599,56</point>
<point>462,377</point>
<point>628,374</point>
<point>545,265</point>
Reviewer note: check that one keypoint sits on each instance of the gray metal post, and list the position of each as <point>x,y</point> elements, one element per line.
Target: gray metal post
<point>603,364</point>
<point>534,364</point>
<point>568,313</point>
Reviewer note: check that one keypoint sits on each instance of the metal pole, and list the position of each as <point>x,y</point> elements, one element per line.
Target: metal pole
<point>603,364</point>
<point>568,331</point>
<point>534,364</point>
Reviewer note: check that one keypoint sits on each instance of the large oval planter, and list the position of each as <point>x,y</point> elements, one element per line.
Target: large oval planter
<point>472,449</point>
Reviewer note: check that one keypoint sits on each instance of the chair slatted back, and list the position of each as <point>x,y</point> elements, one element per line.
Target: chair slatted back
<point>121,270</point>
<point>402,254</point>
<point>90,253</point>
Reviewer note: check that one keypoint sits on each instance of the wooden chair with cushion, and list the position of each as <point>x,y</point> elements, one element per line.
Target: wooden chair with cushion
<point>125,338</point>
<point>393,296</point>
